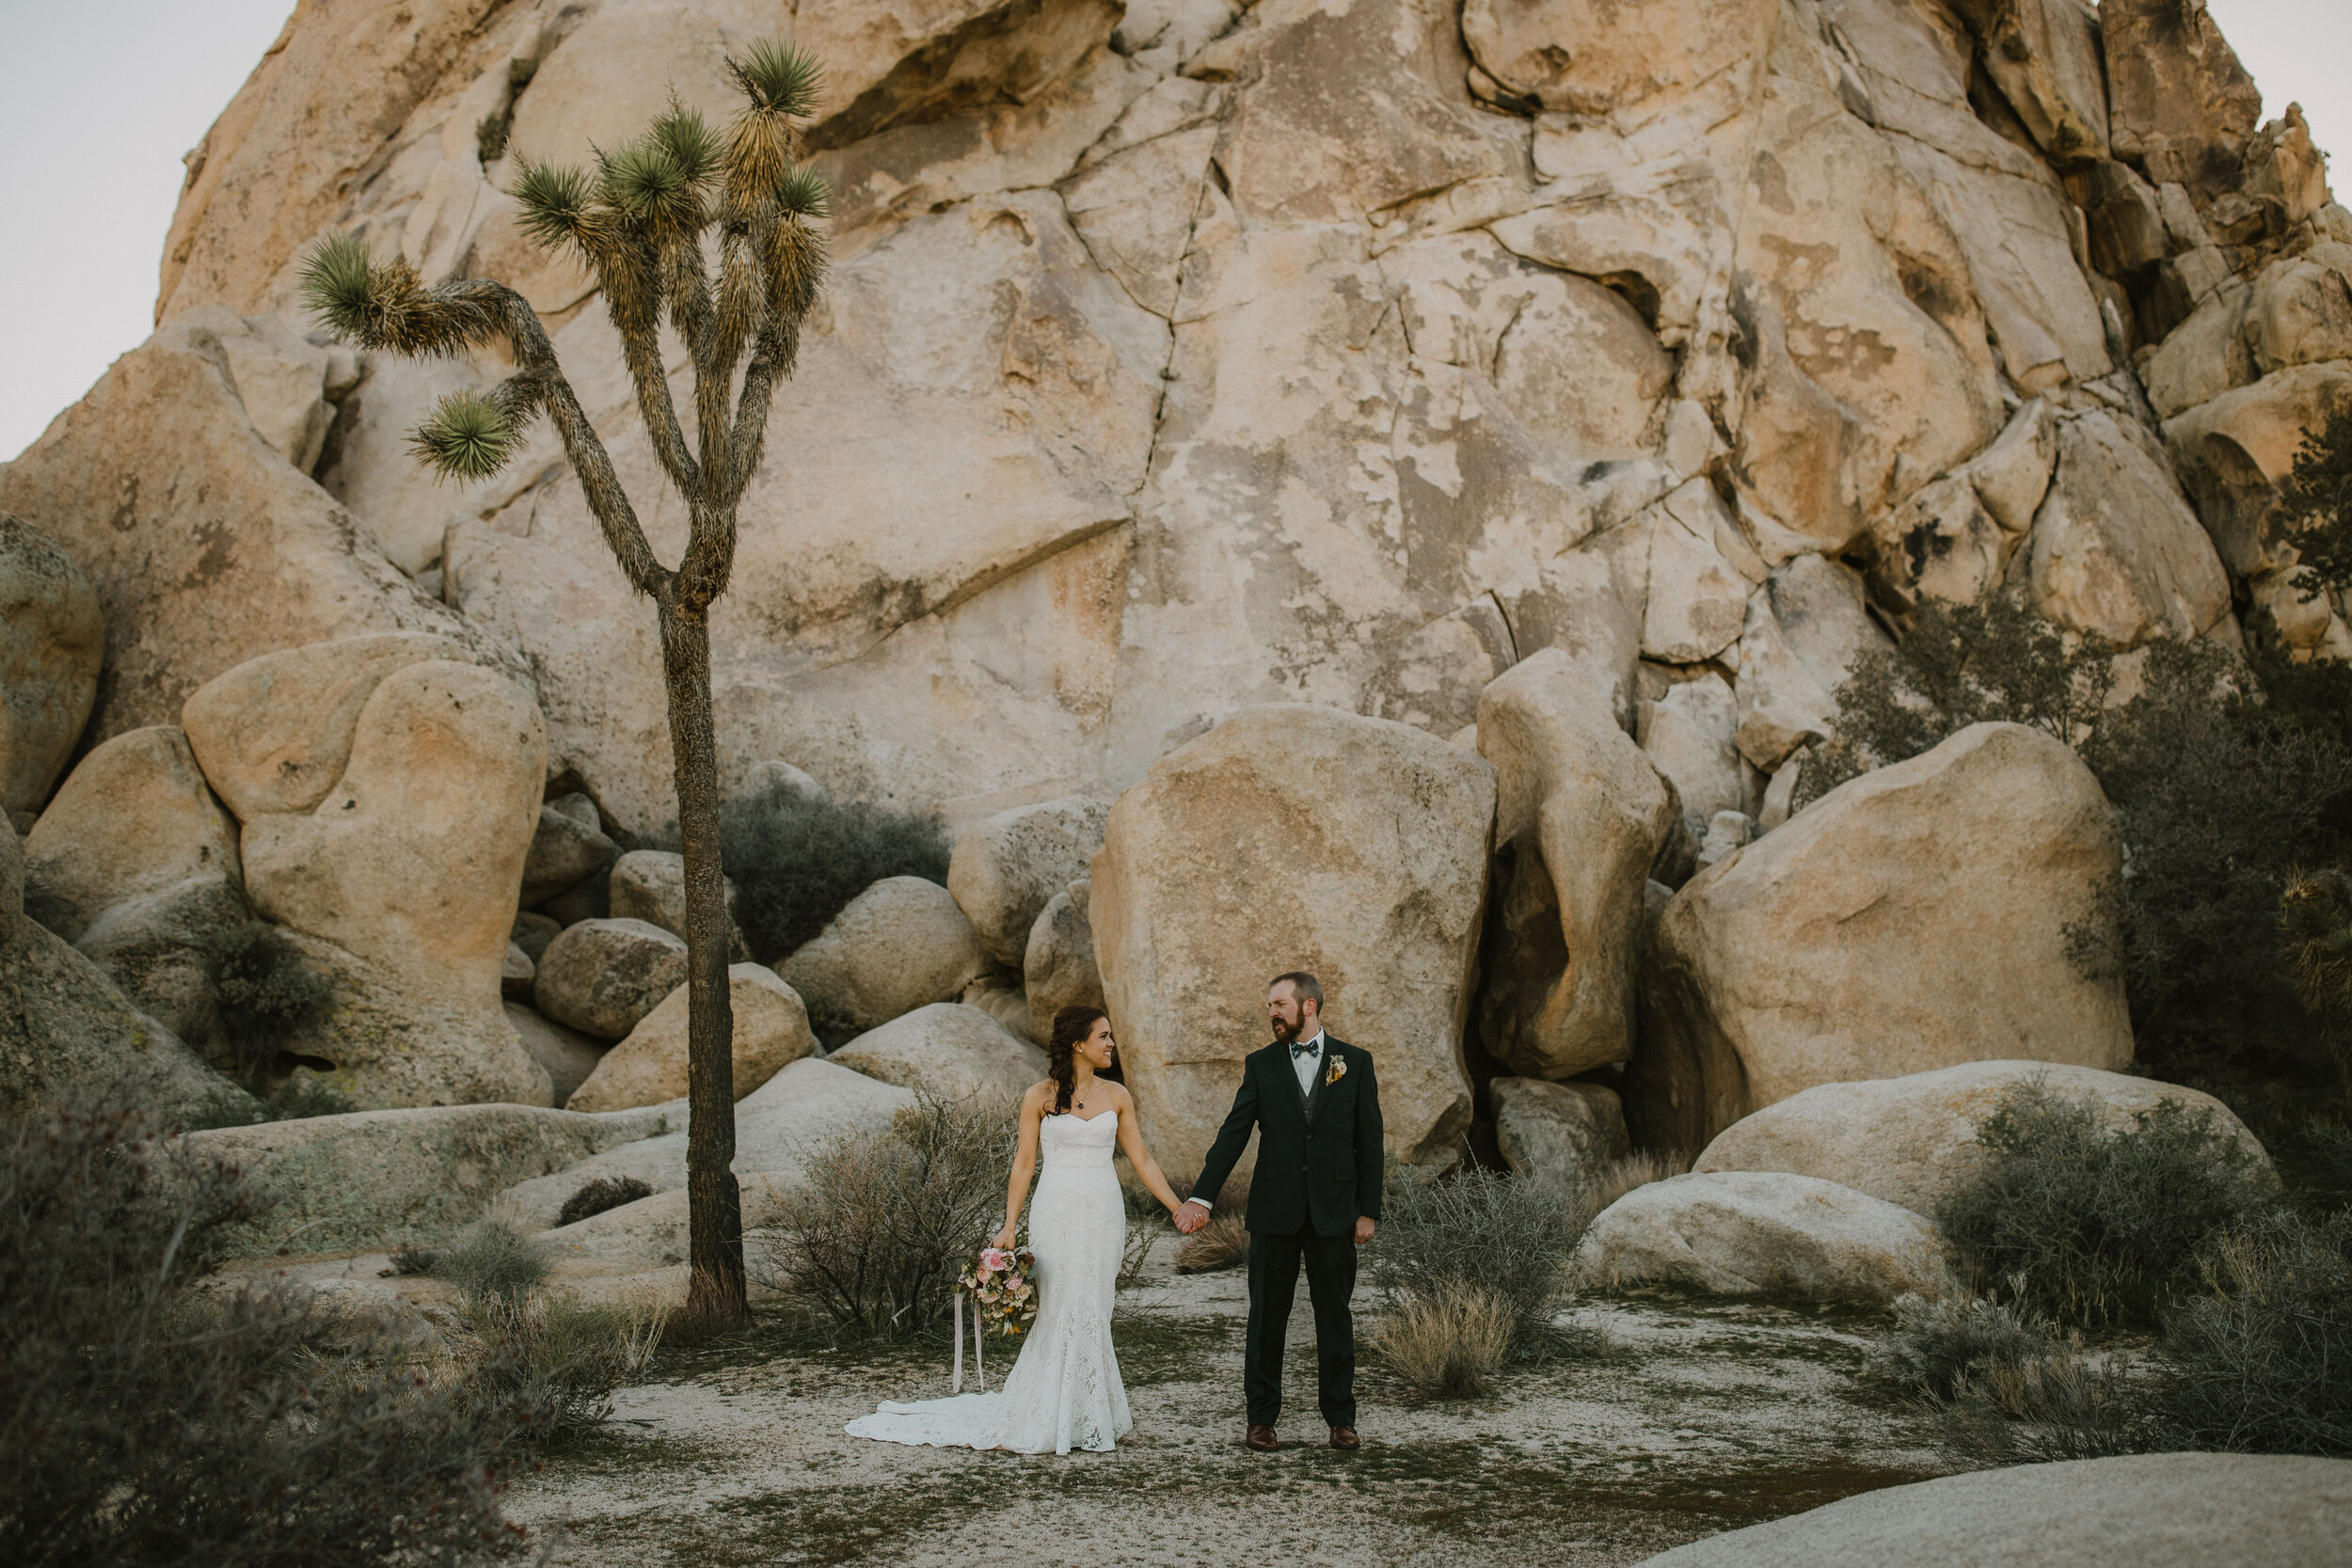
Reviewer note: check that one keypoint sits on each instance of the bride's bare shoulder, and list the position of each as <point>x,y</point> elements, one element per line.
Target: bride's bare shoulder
<point>1040,1093</point>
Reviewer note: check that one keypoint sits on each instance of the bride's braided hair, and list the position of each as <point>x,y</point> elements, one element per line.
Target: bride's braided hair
<point>1071,1025</point>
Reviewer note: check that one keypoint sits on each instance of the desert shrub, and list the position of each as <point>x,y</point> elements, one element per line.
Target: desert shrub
<point>2318,494</point>
<point>2065,1405</point>
<point>406,1261</point>
<point>798,859</point>
<point>1447,1343</point>
<point>1502,1235</point>
<point>605,1192</point>
<point>268,994</point>
<point>2262,1361</point>
<point>152,1420</point>
<point>874,1231</point>
<point>552,1361</point>
<point>493,1263</point>
<point>2096,1228</point>
<point>1937,1341</point>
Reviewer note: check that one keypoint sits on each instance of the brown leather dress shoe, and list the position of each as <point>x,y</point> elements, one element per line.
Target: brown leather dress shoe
<point>1345,1437</point>
<point>1261,1439</point>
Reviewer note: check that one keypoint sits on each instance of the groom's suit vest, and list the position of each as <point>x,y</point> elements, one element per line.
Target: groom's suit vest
<point>1319,1153</point>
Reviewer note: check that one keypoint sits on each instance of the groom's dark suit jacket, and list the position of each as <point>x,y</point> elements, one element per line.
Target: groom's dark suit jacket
<point>1319,1155</point>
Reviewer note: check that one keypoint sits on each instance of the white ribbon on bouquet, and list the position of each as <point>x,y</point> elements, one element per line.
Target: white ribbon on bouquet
<point>980,1372</point>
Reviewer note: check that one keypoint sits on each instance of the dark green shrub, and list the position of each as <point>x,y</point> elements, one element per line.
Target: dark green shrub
<point>2097,1228</point>
<point>604,1193</point>
<point>553,1360</point>
<point>797,860</point>
<point>1504,1238</point>
<point>493,1263</point>
<point>268,994</point>
<point>150,1420</point>
<point>2318,494</point>
<point>2262,1363</point>
<point>882,1219</point>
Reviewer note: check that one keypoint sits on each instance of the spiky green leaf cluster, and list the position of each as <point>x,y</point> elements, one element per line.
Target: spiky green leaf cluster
<point>778,78</point>
<point>339,285</point>
<point>468,438</point>
<point>554,201</point>
<point>382,306</point>
<point>804,193</point>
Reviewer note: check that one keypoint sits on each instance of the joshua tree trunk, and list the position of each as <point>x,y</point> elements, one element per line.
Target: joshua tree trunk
<point>714,1202</point>
<point>649,223</point>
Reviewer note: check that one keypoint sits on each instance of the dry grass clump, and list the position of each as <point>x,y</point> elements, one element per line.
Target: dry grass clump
<point>491,1261</point>
<point>874,1231</point>
<point>1626,1172</point>
<point>553,1361</point>
<point>1223,1243</point>
<point>1450,1343</point>
<point>605,1192</point>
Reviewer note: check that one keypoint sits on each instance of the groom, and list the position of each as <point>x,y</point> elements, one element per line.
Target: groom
<point>1314,1197</point>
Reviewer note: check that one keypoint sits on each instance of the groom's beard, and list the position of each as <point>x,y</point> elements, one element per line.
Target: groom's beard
<point>1284,1032</point>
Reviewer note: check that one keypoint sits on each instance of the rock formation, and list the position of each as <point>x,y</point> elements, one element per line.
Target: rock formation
<point>1742,1233</point>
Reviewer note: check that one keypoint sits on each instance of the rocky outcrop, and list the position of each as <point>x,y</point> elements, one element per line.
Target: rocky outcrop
<point>1751,1233</point>
<point>1006,867</point>
<point>206,548</point>
<point>650,1066</point>
<point>68,1033</point>
<point>1829,949</point>
<point>948,1051</point>
<point>377,1178</point>
<point>569,1056</point>
<point>1579,818</point>
<point>52,639</point>
<point>2263,1511</point>
<point>568,847</point>
<point>1295,838</point>
<point>1058,969</point>
<point>1562,1134</point>
<point>134,819</point>
<point>1911,1140</point>
<point>901,945</point>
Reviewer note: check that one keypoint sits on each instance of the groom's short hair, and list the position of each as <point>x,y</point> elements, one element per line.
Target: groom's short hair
<point>1303,986</point>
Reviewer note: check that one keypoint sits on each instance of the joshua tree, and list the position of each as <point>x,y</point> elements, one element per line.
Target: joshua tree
<point>714,231</point>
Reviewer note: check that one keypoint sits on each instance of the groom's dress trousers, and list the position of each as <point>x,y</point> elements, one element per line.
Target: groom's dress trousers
<point>1319,1164</point>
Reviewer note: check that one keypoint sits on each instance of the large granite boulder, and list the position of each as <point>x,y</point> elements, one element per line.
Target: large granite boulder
<point>52,639</point>
<point>1006,867</point>
<point>410,865</point>
<point>2134,1511</point>
<point>902,944</point>
<point>206,548</point>
<point>134,818</point>
<point>569,1056</point>
<point>1911,1140</point>
<point>1912,919</point>
<point>1745,1233</point>
<point>1296,837</point>
<point>2116,548</point>
<point>949,1051</point>
<point>650,885</point>
<point>650,1066</point>
<point>1581,815</point>
<point>375,1179</point>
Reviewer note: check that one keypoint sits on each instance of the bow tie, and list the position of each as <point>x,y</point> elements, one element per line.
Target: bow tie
<point>1304,1047</point>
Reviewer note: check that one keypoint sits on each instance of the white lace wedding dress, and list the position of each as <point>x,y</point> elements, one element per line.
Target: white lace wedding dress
<point>1064,1391</point>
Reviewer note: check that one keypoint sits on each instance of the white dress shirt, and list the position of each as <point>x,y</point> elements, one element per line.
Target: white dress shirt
<point>1304,1063</point>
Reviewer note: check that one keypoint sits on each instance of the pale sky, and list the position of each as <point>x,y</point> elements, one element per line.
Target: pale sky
<point>100,98</point>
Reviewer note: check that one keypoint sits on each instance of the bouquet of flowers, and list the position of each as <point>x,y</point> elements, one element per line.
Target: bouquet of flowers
<point>1001,1283</point>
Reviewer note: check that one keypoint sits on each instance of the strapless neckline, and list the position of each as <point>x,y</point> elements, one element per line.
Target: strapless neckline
<point>1072,1115</point>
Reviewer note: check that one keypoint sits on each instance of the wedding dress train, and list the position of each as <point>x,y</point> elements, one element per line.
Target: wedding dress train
<point>1064,1391</point>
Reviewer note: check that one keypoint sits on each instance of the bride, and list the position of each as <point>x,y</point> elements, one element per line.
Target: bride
<point>1064,1391</point>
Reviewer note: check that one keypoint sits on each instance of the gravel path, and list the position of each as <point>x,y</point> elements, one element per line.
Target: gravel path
<point>1703,1417</point>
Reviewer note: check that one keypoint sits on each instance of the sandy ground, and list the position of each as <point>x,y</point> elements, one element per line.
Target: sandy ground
<point>1703,1417</point>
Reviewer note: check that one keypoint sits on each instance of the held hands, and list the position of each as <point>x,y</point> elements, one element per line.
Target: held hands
<point>1188,1218</point>
<point>1363,1228</point>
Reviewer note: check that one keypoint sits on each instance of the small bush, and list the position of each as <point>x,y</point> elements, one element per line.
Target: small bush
<point>493,1263</point>
<point>605,1192</point>
<point>1939,1341</point>
<point>406,1261</point>
<point>1504,1236</point>
<point>1627,1171</point>
<point>150,1419</point>
<point>553,1361</point>
<point>797,860</point>
<point>268,994</point>
<point>873,1233</point>
<point>2063,1406</point>
<point>2101,1230</point>
<point>2262,1364</point>
<point>1449,1343</point>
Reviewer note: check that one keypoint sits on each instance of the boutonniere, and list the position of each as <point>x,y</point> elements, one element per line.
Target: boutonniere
<point>1337,1071</point>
